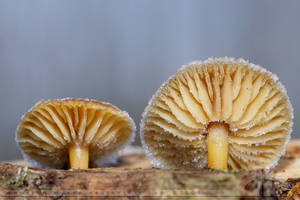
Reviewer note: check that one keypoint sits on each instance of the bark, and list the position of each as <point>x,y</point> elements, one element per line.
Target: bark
<point>133,178</point>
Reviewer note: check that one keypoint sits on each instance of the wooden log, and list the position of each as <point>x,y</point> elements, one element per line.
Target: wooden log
<point>133,177</point>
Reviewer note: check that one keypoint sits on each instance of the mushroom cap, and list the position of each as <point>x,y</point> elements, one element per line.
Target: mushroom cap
<point>50,127</point>
<point>246,97</point>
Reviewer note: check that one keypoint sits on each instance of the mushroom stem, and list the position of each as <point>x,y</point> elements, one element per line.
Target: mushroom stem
<point>79,157</point>
<point>217,145</point>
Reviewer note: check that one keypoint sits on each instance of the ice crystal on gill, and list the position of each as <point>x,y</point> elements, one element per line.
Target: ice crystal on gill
<point>161,145</point>
<point>196,159</point>
<point>233,129</point>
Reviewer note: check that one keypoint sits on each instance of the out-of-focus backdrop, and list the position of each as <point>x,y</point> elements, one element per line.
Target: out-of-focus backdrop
<point>122,51</point>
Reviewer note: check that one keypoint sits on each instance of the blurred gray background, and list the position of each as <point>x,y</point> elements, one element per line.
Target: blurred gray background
<point>122,51</point>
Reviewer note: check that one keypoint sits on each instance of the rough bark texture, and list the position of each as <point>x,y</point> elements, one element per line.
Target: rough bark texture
<point>133,178</point>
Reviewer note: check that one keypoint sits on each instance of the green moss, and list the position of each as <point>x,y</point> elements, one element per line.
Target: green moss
<point>36,180</point>
<point>18,181</point>
<point>39,183</point>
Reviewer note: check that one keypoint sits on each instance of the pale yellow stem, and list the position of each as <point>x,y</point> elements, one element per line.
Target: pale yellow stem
<point>217,146</point>
<point>79,157</point>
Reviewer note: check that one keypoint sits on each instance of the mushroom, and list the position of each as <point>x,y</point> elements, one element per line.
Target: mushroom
<point>73,132</point>
<point>221,113</point>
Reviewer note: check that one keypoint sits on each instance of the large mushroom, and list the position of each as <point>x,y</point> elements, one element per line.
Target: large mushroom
<point>221,113</point>
<point>73,132</point>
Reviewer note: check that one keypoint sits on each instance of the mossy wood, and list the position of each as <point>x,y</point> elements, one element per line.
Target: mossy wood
<point>133,177</point>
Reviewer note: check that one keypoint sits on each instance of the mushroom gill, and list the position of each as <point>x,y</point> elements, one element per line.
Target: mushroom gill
<point>221,113</point>
<point>73,132</point>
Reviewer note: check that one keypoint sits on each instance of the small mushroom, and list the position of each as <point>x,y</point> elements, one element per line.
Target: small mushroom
<point>73,132</point>
<point>221,113</point>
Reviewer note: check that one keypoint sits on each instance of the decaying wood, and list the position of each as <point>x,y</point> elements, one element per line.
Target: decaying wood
<point>133,177</point>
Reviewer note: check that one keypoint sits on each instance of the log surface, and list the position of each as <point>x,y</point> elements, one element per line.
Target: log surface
<point>133,177</point>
